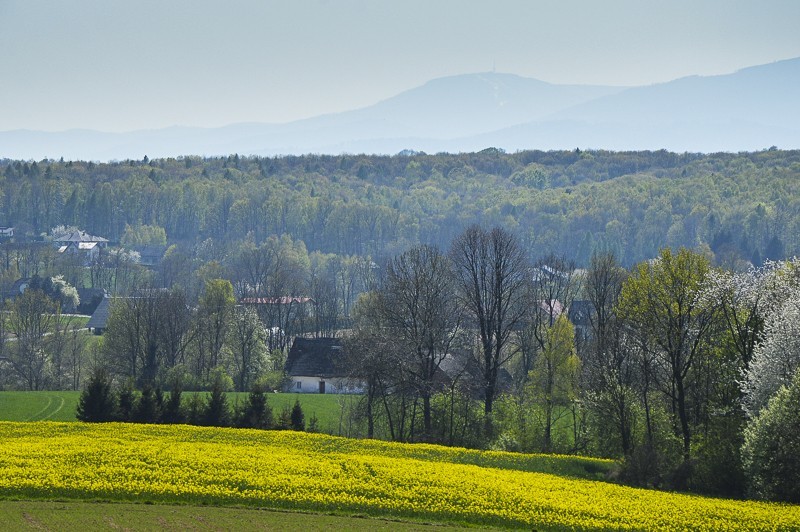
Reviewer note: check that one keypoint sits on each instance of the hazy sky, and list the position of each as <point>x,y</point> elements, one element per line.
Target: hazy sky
<point>124,65</point>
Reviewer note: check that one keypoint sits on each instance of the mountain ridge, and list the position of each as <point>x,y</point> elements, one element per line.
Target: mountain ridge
<point>749,109</point>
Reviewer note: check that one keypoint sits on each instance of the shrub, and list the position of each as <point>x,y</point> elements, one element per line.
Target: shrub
<point>256,413</point>
<point>298,418</point>
<point>217,413</point>
<point>97,402</point>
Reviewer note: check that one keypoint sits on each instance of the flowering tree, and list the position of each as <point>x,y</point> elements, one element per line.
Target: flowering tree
<point>777,357</point>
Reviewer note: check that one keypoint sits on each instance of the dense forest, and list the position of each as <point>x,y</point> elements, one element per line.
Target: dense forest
<point>742,207</point>
<point>634,305</point>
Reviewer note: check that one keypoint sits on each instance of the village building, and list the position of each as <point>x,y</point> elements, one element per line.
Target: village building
<point>317,365</point>
<point>81,243</point>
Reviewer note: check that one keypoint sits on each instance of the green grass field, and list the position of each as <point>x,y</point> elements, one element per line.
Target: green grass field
<point>81,516</point>
<point>38,406</point>
<point>60,406</point>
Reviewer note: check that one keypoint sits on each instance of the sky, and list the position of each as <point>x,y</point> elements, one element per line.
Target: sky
<point>121,66</point>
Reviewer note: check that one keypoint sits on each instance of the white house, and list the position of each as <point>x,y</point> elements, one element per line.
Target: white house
<point>81,243</point>
<point>317,365</point>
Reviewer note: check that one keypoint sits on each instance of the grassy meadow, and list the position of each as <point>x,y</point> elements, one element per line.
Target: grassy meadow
<point>61,406</point>
<point>285,470</point>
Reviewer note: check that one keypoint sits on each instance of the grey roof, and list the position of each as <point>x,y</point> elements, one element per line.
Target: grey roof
<point>80,236</point>
<point>90,298</point>
<point>99,319</point>
<point>580,313</point>
<point>316,357</point>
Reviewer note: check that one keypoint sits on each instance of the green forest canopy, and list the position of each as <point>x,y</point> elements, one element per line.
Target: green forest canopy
<point>744,207</point>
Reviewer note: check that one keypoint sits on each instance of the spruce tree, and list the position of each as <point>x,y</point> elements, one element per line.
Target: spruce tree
<point>172,408</point>
<point>146,408</point>
<point>97,402</point>
<point>256,413</point>
<point>217,413</point>
<point>298,418</point>
<point>127,402</point>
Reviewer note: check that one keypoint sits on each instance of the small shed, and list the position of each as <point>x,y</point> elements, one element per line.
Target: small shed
<point>99,320</point>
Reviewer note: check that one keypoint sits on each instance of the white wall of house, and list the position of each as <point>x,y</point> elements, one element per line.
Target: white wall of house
<point>337,385</point>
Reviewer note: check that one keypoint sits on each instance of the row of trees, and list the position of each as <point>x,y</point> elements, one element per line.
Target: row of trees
<point>159,335</point>
<point>669,365</point>
<point>101,402</point>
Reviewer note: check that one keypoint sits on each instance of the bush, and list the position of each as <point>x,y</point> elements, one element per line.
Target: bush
<point>172,408</point>
<point>127,402</point>
<point>717,456</point>
<point>297,416</point>
<point>97,402</point>
<point>217,413</point>
<point>256,413</point>
<point>771,450</point>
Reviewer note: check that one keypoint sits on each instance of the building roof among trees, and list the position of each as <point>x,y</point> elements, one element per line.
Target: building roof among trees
<point>580,312</point>
<point>79,236</point>
<point>99,319</point>
<point>316,357</point>
<point>285,300</point>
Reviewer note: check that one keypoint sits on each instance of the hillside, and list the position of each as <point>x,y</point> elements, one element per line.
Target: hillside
<point>312,472</point>
<point>751,109</point>
<point>570,202</point>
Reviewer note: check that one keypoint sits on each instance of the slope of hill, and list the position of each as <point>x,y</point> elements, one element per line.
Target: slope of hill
<point>751,109</point>
<point>319,473</point>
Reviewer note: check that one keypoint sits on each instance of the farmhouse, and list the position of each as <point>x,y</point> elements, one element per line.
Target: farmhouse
<point>81,243</point>
<point>317,365</point>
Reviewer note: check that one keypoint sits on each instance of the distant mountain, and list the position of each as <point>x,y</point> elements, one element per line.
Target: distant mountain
<point>750,109</point>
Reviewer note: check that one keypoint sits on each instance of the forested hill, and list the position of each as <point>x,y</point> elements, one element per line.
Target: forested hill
<point>743,207</point>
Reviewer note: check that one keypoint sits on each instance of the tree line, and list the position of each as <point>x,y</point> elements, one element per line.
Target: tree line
<point>667,356</point>
<point>681,368</point>
<point>684,369</point>
<point>574,204</point>
<point>100,402</point>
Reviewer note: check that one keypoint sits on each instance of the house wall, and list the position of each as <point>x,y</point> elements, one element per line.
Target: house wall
<point>335,385</point>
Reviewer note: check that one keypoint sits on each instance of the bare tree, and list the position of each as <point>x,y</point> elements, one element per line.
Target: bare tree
<point>30,319</point>
<point>610,363</point>
<point>373,360</point>
<point>422,311</point>
<point>491,274</point>
<point>175,331</point>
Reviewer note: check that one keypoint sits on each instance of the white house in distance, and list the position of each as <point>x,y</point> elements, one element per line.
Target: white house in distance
<point>81,243</point>
<point>317,365</point>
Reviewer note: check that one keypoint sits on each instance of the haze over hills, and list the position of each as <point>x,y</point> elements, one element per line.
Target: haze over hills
<point>748,110</point>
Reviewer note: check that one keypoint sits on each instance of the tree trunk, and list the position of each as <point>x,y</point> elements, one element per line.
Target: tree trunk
<point>681,399</point>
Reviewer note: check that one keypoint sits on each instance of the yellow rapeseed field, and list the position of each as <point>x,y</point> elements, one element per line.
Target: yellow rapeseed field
<point>182,464</point>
